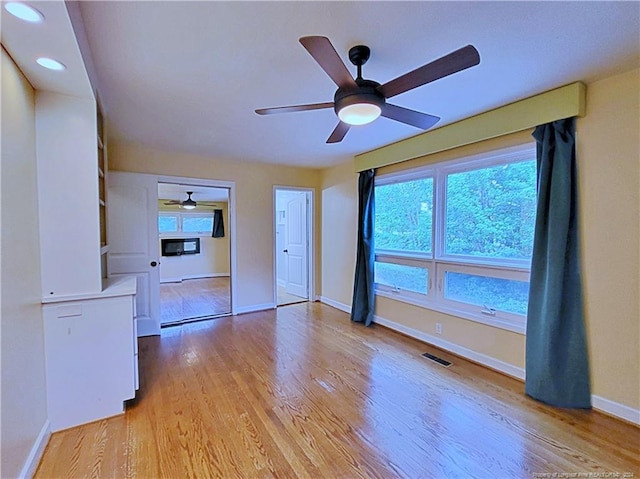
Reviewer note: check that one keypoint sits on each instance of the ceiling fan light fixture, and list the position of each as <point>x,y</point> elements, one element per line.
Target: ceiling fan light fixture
<point>360,105</point>
<point>189,204</point>
<point>359,113</point>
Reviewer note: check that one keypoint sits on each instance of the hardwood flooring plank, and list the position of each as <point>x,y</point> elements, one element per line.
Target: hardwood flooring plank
<point>302,392</point>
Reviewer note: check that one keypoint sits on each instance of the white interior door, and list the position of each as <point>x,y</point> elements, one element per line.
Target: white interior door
<point>296,246</point>
<point>133,242</point>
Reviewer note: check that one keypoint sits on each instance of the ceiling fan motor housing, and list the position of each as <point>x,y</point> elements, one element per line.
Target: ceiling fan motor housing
<point>366,92</point>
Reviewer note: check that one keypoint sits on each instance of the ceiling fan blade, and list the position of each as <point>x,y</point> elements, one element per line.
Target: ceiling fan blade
<point>292,108</point>
<point>173,202</point>
<point>323,52</point>
<point>454,62</point>
<point>410,117</point>
<point>338,133</point>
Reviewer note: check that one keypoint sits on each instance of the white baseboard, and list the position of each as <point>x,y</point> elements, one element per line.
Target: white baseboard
<point>179,279</point>
<point>616,409</point>
<point>147,327</point>
<point>485,360</point>
<point>37,450</point>
<point>205,275</point>
<point>335,304</point>
<point>254,308</point>
<point>599,403</point>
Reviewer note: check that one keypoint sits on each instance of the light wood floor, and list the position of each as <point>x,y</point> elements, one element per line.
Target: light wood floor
<point>194,298</point>
<point>302,392</point>
<point>285,298</point>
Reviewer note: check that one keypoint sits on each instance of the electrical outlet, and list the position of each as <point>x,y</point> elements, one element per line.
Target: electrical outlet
<point>438,328</point>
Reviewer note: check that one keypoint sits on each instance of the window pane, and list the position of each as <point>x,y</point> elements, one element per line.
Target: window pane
<point>167,224</point>
<point>490,212</point>
<point>403,216</point>
<point>498,293</point>
<point>410,278</point>
<point>197,224</point>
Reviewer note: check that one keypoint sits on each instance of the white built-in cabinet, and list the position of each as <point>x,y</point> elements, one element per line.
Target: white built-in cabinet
<point>91,352</point>
<point>90,329</point>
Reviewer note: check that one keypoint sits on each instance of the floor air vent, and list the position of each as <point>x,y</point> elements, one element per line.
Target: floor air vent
<point>438,360</point>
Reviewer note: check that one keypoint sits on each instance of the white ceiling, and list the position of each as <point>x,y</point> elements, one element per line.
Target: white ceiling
<point>187,76</point>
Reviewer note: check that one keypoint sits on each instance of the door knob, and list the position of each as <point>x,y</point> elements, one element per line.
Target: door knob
<point>153,264</point>
<point>285,250</point>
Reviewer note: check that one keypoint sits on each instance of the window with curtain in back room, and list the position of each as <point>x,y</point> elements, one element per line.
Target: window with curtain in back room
<point>457,236</point>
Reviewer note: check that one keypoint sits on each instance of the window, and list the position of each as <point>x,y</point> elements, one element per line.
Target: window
<point>197,224</point>
<point>167,223</point>
<point>458,236</point>
<point>172,223</point>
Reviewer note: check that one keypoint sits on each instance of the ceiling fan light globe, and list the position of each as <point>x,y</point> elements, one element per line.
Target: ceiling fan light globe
<point>188,206</point>
<point>359,113</point>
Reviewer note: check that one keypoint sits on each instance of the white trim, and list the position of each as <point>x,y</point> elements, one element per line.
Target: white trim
<point>147,326</point>
<point>231,230</point>
<point>254,308</point>
<point>599,403</point>
<point>311,240</point>
<point>616,409</point>
<point>179,279</point>
<point>37,450</point>
<point>483,359</point>
<point>335,304</point>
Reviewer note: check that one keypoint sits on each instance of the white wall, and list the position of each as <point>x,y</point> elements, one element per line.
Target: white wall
<point>212,261</point>
<point>24,415</point>
<point>67,155</point>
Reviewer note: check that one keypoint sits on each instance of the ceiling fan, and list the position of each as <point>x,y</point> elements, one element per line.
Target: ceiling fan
<point>189,203</point>
<point>359,101</point>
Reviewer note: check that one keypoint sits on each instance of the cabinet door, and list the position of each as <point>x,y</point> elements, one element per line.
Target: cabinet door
<point>89,359</point>
<point>133,242</point>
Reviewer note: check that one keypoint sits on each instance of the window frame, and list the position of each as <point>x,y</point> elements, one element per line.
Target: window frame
<point>170,214</point>
<point>180,215</point>
<point>438,262</point>
<point>196,215</point>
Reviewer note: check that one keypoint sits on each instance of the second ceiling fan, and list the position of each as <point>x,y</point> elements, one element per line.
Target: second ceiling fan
<point>359,101</point>
<point>189,203</point>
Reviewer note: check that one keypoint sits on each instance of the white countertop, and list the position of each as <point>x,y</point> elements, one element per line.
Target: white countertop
<point>116,286</point>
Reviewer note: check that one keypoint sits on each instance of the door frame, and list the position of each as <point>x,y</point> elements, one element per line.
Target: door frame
<point>310,192</point>
<point>230,230</point>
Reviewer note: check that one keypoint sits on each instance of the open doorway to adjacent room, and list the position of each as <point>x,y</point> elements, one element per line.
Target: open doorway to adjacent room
<point>193,239</point>
<point>293,209</point>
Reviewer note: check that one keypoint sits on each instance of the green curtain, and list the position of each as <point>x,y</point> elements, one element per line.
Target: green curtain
<point>218,225</point>
<point>363,295</point>
<point>557,367</point>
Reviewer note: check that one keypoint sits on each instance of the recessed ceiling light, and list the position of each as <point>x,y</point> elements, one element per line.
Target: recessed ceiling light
<point>24,12</point>
<point>51,64</point>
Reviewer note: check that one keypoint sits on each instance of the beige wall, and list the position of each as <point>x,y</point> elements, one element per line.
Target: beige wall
<point>254,207</point>
<point>213,259</point>
<point>339,230</point>
<point>23,376</point>
<point>609,165</point>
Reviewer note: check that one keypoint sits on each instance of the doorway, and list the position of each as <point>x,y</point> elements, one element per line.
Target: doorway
<point>194,250</point>
<point>293,245</point>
